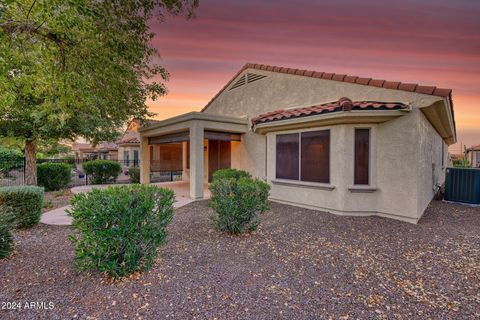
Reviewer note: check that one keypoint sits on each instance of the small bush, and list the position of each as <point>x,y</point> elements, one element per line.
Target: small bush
<point>134,174</point>
<point>10,159</point>
<point>230,174</point>
<point>24,202</point>
<point>6,239</point>
<point>54,176</point>
<point>120,228</point>
<point>237,203</point>
<point>102,171</point>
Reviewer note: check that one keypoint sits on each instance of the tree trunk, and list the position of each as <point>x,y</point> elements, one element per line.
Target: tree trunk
<point>30,162</point>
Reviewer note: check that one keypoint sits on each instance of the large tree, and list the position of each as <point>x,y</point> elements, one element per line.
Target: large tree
<point>72,68</point>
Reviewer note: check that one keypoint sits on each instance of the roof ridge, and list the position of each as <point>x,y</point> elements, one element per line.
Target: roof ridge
<point>396,85</point>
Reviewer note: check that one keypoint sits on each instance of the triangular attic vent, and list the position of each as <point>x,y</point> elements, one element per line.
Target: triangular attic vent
<point>240,82</point>
<point>251,77</point>
<point>248,78</point>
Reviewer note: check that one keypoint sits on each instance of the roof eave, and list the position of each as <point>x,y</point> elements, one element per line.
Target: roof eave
<point>333,118</point>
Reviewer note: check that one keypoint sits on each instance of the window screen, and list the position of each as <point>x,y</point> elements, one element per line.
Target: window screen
<point>315,156</point>
<point>287,162</point>
<point>362,156</point>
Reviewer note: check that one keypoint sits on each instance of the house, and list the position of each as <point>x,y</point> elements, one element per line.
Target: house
<point>332,142</point>
<point>473,156</point>
<point>129,145</point>
<point>102,150</point>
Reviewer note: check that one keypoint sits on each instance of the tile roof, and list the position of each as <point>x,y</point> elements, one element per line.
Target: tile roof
<point>130,137</point>
<point>343,104</point>
<point>411,87</point>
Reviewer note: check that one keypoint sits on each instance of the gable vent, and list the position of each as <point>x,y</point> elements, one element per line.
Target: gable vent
<point>248,78</point>
<point>239,83</point>
<point>251,77</point>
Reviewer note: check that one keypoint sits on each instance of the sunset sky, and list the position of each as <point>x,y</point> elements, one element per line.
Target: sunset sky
<point>431,42</point>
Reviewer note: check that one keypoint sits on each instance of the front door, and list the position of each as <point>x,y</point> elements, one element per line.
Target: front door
<point>219,156</point>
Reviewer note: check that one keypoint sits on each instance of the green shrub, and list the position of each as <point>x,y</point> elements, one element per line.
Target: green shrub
<point>10,159</point>
<point>230,174</point>
<point>120,228</point>
<point>102,171</point>
<point>237,203</point>
<point>6,239</point>
<point>134,174</point>
<point>54,176</point>
<point>24,202</point>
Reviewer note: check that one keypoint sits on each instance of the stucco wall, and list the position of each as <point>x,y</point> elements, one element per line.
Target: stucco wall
<point>400,157</point>
<point>432,157</point>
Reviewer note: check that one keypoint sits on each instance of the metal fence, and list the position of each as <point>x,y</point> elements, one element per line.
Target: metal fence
<point>12,171</point>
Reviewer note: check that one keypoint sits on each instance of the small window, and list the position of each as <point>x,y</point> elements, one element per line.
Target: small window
<point>362,156</point>
<point>287,165</point>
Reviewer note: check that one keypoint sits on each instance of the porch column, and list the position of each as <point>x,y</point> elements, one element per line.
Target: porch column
<point>196,161</point>
<point>185,174</point>
<point>144,161</point>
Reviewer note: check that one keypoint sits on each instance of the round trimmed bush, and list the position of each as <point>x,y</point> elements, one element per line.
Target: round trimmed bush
<point>134,174</point>
<point>54,176</point>
<point>102,171</point>
<point>230,174</point>
<point>118,229</point>
<point>24,202</point>
<point>237,203</point>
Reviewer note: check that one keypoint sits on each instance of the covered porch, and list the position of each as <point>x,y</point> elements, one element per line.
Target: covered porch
<point>193,145</point>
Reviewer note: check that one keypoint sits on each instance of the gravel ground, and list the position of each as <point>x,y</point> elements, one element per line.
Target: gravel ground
<point>300,264</point>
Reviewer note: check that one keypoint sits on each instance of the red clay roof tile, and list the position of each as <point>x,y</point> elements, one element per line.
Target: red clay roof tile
<point>376,83</point>
<point>407,86</point>
<point>343,104</point>
<point>339,77</point>
<point>328,76</point>
<point>350,79</point>
<point>364,81</point>
<point>391,84</point>
<point>425,89</point>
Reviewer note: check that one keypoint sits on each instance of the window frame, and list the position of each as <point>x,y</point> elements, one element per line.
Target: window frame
<point>299,180</point>
<point>370,158</point>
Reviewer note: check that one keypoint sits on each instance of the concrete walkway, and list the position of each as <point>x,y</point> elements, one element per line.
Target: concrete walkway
<point>60,217</point>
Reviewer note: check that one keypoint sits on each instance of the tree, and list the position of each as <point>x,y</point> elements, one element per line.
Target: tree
<point>77,68</point>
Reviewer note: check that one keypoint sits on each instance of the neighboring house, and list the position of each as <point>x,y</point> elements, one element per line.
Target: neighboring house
<point>473,156</point>
<point>103,150</point>
<point>337,143</point>
<point>129,145</point>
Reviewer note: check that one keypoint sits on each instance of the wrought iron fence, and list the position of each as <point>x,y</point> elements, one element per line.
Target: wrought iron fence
<point>12,171</point>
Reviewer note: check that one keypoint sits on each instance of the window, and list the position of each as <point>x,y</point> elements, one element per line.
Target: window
<point>135,157</point>
<point>362,156</point>
<point>126,157</point>
<point>315,156</point>
<point>304,156</point>
<point>287,156</point>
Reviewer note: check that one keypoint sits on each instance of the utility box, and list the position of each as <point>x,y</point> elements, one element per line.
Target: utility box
<point>463,185</point>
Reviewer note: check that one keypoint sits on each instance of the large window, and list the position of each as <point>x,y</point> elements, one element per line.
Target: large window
<point>362,156</point>
<point>304,156</point>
